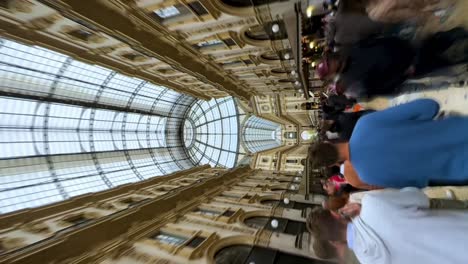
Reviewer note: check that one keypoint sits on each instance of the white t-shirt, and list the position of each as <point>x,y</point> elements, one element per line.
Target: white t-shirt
<point>397,227</point>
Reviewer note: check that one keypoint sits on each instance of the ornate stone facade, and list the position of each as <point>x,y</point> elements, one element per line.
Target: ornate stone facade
<point>202,48</point>
<point>188,223</point>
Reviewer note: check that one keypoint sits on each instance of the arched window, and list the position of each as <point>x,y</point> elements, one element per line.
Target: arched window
<point>271,55</point>
<point>257,33</point>
<point>246,254</point>
<point>286,226</point>
<point>265,32</point>
<point>279,71</point>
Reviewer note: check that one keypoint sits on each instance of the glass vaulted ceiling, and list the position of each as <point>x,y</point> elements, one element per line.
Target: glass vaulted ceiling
<point>69,128</point>
<point>260,134</point>
<point>211,132</point>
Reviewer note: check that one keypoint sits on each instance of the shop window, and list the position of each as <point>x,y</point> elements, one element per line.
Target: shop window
<point>209,43</point>
<point>198,8</point>
<point>230,63</point>
<point>228,213</point>
<point>196,241</point>
<point>167,12</point>
<point>229,42</point>
<point>257,222</point>
<point>207,212</point>
<point>248,62</point>
<point>169,239</point>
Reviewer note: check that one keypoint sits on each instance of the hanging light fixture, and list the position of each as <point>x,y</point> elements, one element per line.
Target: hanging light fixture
<point>297,83</point>
<point>309,10</point>
<point>274,223</point>
<point>287,56</point>
<point>293,72</point>
<point>275,28</point>
<point>312,64</point>
<point>311,45</point>
<point>286,200</point>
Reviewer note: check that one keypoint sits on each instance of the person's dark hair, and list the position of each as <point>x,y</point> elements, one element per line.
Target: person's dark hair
<point>323,225</point>
<point>323,154</point>
<point>346,189</point>
<point>336,202</point>
<point>324,249</point>
<point>327,109</point>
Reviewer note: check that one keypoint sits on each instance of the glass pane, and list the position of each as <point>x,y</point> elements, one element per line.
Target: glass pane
<point>215,132</point>
<point>102,129</point>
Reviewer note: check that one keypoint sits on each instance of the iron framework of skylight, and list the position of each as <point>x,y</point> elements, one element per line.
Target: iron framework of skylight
<point>69,128</point>
<point>260,134</point>
<point>215,127</point>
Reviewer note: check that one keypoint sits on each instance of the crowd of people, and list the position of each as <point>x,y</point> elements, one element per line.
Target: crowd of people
<point>377,206</point>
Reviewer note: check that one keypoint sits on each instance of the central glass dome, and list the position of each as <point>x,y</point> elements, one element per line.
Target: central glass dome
<point>188,135</point>
<point>211,132</point>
